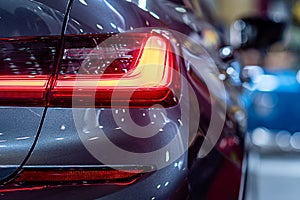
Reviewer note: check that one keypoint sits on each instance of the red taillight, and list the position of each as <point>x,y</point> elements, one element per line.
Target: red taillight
<point>135,70</point>
<point>40,178</point>
<point>23,89</point>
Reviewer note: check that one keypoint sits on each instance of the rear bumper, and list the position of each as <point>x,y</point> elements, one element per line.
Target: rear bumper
<point>166,183</point>
<point>70,138</point>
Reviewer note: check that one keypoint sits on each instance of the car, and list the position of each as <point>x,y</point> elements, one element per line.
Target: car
<point>116,99</point>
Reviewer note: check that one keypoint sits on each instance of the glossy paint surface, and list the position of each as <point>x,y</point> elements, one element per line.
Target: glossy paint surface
<point>18,130</point>
<point>29,18</point>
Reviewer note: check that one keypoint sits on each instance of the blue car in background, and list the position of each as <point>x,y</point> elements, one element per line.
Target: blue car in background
<point>267,51</point>
<point>272,101</point>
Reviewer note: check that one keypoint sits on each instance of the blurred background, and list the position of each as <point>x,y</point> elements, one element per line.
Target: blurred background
<point>230,10</point>
<point>266,37</point>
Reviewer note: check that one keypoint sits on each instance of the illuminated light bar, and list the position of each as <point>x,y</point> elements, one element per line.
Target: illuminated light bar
<point>23,89</point>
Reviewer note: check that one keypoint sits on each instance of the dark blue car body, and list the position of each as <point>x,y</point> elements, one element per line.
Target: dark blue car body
<point>45,137</point>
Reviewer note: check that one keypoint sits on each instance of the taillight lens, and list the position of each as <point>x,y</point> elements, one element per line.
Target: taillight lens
<point>35,178</point>
<point>88,175</point>
<point>136,69</point>
<point>25,68</point>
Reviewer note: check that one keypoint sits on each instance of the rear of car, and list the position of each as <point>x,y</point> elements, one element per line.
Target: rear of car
<point>100,100</point>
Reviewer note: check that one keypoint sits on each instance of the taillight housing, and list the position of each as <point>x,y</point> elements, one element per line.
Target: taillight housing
<point>134,69</point>
<point>108,70</point>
